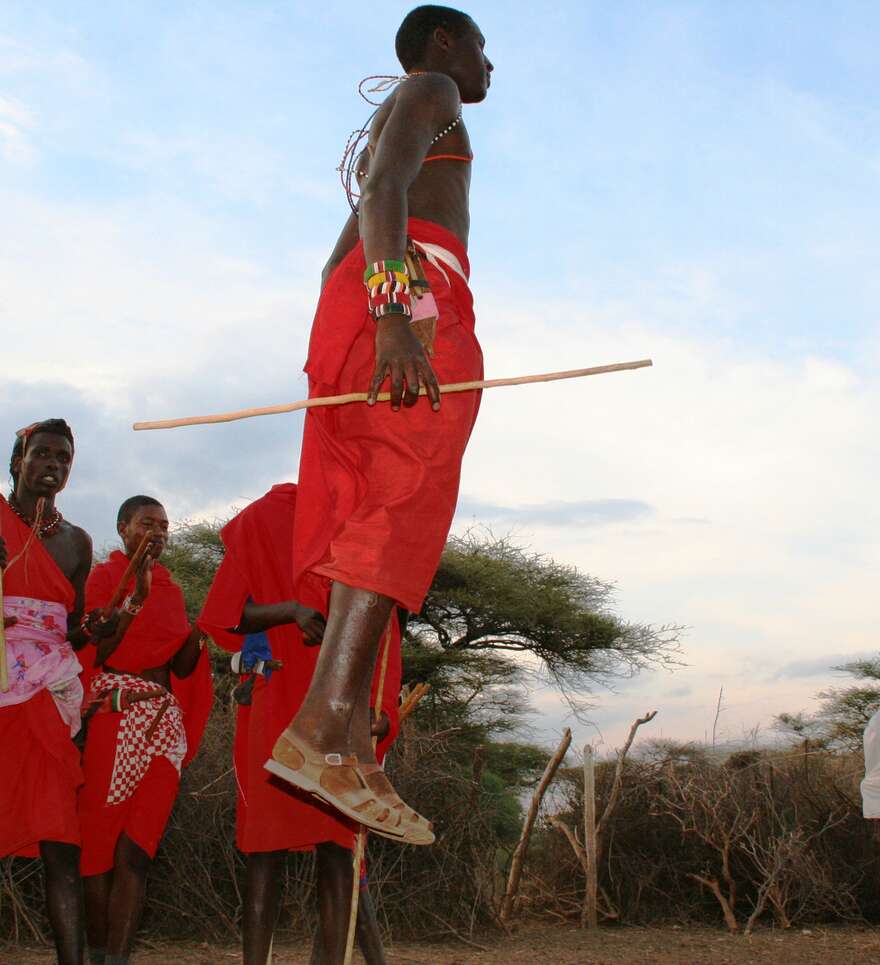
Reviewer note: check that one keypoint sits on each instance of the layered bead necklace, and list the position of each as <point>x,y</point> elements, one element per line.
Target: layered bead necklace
<point>43,528</point>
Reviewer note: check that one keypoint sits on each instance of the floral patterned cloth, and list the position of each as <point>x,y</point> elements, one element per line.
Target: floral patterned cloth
<point>39,657</point>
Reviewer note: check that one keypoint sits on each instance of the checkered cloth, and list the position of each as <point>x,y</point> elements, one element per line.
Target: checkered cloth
<point>134,751</point>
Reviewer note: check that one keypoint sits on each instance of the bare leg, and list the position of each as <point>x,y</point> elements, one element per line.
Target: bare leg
<point>355,625</point>
<point>64,901</point>
<point>334,900</point>
<point>368,935</point>
<point>97,893</point>
<point>264,872</point>
<point>334,896</point>
<point>130,867</point>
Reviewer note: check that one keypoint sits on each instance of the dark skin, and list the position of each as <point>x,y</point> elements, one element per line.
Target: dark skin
<point>43,471</point>
<point>334,717</point>
<point>264,870</point>
<point>115,899</point>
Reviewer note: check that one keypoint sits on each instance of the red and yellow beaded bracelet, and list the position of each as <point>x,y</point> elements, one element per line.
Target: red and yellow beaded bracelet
<point>388,289</point>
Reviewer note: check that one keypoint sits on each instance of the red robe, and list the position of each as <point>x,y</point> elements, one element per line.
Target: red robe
<point>377,489</point>
<point>41,769</point>
<point>271,815</point>
<point>152,639</point>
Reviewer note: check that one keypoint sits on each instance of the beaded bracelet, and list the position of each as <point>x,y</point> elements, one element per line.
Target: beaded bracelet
<point>388,291</point>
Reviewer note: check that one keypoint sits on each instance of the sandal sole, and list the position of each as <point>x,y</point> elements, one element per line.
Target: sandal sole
<point>297,779</point>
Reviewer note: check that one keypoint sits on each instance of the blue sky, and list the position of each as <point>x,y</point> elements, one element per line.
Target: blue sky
<point>699,180</point>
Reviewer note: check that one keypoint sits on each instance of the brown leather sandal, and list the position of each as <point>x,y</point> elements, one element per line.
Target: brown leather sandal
<point>337,781</point>
<point>417,829</point>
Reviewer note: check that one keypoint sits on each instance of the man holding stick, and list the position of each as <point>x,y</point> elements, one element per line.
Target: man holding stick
<point>250,609</point>
<point>378,485</point>
<point>149,695</point>
<point>45,561</point>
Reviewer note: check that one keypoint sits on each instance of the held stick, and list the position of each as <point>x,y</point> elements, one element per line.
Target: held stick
<point>361,842</point>
<point>201,420</point>
<point>130,570</point>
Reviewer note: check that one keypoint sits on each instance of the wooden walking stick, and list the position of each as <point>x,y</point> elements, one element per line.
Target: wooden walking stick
<point>360,844</point>
<point>201,420</point>
<point>130,570</point>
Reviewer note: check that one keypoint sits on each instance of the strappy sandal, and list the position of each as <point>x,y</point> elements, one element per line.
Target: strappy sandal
<point>417,829</point>
<point>337,781</point>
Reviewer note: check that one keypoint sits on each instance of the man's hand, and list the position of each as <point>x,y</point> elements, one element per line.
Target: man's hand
<point>400,353</point>
<point>99,627</point>
<point>311,623</point>
<point>379,727</point>
<point>144,580</point>
<point>4,557</point>
<point>9,622</point>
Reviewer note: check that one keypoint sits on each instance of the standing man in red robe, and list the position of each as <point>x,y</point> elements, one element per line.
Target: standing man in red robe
<point>378,485</point>
<point>46,560</point>
<point>149,696</point>
<point>250,609</point>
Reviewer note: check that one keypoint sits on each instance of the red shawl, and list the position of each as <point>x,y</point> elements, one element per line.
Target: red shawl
<point>152,639</point>
<point>258,564</point>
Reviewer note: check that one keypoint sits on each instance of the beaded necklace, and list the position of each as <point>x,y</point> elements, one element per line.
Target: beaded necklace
<point>42,528</point>
<point>352,152</point>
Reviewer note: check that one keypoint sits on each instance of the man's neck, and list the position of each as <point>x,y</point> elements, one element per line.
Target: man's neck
<point>26,501</point>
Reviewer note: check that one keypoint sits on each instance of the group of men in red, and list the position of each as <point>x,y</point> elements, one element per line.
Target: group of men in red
<point>311,589</point>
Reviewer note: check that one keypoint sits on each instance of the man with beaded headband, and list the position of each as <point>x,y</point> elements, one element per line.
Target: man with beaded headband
<point>46,560</point>
<point>378,485</point>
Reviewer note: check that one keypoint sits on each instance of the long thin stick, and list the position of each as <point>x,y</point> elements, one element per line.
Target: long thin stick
<point>201,420</point>
<point>133,564</point>
<point>360,846</point>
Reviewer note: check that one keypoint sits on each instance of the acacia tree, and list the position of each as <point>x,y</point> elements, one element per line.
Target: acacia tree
<point>491,596</point>
<point>843,712</point>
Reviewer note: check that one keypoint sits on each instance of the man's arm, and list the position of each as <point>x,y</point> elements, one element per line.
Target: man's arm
<point>258,617</point>
<point>422,106</point>
<point>184,661</point>
<point>348,238</point>
<point>83,543</point>
<point>108,643</point>
<point>4,559</point>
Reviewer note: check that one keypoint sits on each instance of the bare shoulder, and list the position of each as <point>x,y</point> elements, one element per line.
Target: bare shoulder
<point>82,544</point>
<point>438,90</point>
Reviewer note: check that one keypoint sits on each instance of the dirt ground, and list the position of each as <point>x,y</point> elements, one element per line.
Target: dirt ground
<point>565,945</point>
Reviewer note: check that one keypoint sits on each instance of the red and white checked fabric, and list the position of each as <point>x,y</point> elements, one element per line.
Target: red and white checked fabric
<point>133,752</point>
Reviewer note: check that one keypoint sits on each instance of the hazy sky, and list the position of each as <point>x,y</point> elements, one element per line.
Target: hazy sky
<point>698,180</point>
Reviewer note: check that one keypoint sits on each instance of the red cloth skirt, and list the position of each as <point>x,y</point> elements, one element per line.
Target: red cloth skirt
<point>142,816</point>
<point>377,488</point>
<point>41,774</point>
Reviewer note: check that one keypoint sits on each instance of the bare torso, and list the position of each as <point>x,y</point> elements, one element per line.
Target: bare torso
<point>440,191</point>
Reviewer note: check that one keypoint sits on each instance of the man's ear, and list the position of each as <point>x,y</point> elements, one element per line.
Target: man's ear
<point>441,38</point>
<point>15,468</point>
<point>120,528</point>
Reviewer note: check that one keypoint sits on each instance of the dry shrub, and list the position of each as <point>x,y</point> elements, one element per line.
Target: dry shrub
<point>756,836</point>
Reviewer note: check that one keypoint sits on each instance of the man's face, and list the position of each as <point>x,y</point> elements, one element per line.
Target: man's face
<point>469,66</point>
<point>45,466</point>
<point>146,519</point>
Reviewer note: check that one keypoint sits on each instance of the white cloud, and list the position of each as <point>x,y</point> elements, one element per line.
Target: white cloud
<point>16,122</point>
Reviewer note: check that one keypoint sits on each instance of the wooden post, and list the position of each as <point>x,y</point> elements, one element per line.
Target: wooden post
<point>519,854</point>
<point>589,912</point>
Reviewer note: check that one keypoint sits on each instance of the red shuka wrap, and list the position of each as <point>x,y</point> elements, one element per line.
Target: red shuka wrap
<point>41,769</point>
<point>377,488</point>
<point>271,815</point>
<point>152,639</point>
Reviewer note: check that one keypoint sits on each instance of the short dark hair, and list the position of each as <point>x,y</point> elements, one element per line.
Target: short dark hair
<point>132,505</point>
<point>57,427</point>
<point>415,32</point>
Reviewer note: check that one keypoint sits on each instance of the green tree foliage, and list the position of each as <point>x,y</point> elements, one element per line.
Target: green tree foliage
<point>491,596</point>
<point>844,711</point>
